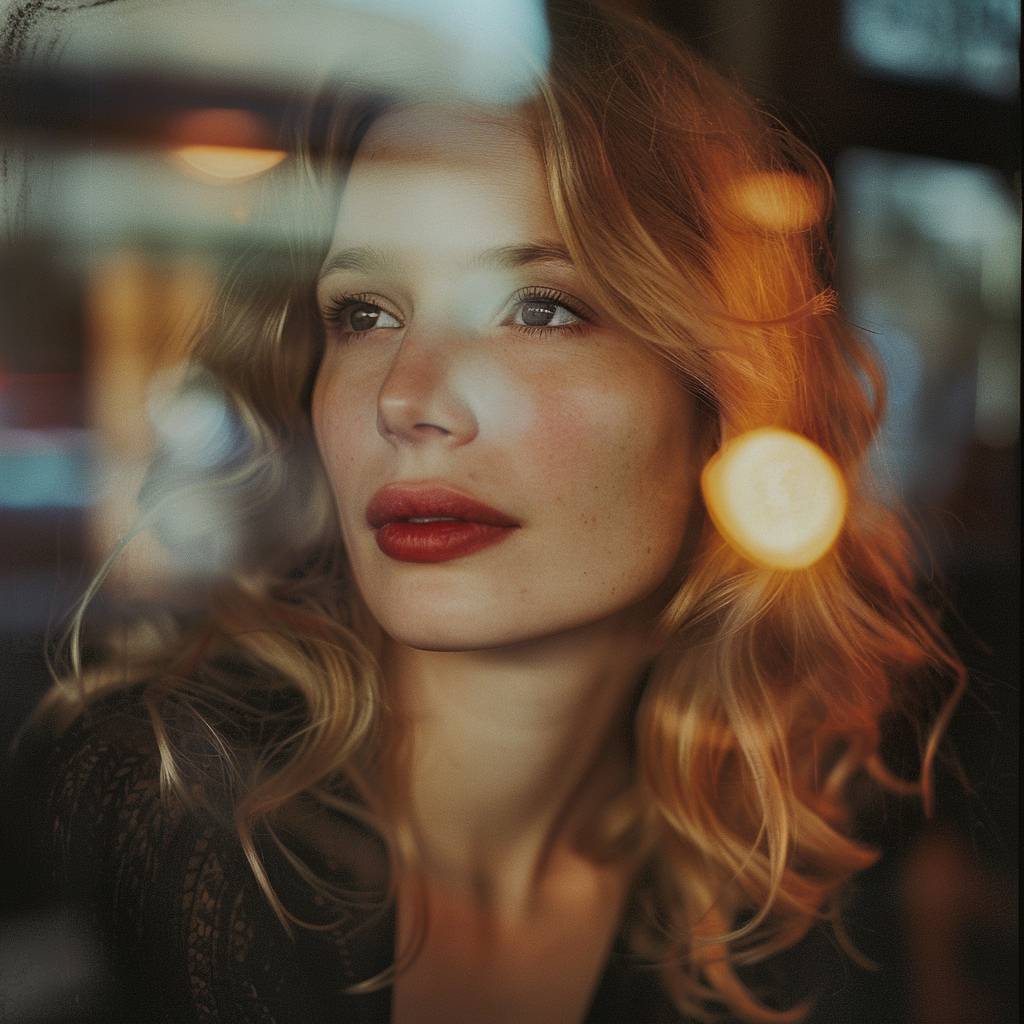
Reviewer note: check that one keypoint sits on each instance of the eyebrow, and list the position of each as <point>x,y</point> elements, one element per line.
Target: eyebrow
<point>508,257</point>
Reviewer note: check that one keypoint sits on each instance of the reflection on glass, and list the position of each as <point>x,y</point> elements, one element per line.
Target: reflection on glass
<point>141,310</point>
<point>930,253</point>
<point>971,42</point>
<point>145,152</point>
<point>45,468</point>
<point>111,197</point>
<point>228,163</point>
<point>221,144</point>
<point>455,48</point>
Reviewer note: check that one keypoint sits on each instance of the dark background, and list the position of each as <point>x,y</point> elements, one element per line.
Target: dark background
<point>939,912</point>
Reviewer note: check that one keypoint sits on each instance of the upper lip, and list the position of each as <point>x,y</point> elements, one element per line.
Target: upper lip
<point>396,502</point>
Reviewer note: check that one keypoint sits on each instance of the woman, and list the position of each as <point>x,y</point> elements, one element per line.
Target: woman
<point>489,722</point>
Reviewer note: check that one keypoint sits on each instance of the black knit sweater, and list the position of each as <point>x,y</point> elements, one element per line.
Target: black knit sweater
<point>171,925</point>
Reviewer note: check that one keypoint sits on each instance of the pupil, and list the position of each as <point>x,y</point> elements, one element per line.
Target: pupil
<point>363,317</point>
<point>538,314</point>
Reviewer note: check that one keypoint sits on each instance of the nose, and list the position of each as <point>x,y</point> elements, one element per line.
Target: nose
<point>424,397</point>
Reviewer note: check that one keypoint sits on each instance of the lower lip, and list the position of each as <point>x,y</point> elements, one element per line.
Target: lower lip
<point>437,542</point>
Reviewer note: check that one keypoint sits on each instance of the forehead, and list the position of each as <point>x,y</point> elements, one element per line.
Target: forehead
<point>446,180</point>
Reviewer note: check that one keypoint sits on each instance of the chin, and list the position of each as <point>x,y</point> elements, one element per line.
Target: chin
<point>450,635</point>
<point>472,631</point>
<point>428,616</point>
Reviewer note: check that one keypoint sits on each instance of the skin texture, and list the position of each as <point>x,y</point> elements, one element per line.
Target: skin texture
<point>513,666</point>
<point>583,437</point>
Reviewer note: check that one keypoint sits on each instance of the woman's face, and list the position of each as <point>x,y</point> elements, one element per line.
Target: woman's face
<point>465,356</point>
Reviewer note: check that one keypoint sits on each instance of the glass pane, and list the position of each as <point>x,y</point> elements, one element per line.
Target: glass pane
<point>151,146</point>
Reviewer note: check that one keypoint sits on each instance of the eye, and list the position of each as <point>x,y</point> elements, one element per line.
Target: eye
<point>352,314</point>
<point>541,310</point>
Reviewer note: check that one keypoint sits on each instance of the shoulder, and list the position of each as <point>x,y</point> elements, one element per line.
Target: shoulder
<point>98,817</point>
<point>164,888</point>
<point>72,783</point>
<point>182,923</point>
<point>93,789</point>
<point>82,806</point>
<point>96,827</point>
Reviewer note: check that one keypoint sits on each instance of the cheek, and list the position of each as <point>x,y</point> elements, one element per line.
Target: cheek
<point>333,410</point>
<point>507,412</point>
<point>615,453</point>
<point>615,470</point>
<point>322,411</point>
<point>559,436</point>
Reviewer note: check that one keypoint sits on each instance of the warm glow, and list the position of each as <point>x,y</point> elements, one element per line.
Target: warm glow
<point>141,313</point>
<point>776,497</point>
<point>224,144</point>
<point>229,163</point>
<point>777,201</point>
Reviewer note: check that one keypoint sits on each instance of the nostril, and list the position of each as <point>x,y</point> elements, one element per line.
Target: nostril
<point>432,427</point>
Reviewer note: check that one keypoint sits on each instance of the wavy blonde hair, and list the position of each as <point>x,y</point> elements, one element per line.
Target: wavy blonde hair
<point>701,224</point>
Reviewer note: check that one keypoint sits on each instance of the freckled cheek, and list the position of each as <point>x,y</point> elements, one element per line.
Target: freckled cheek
<point>611,461</point>
<point>336,420</point>
<point>582,444</point>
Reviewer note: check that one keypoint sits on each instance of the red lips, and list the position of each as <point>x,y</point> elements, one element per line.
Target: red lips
<point>461,526</point>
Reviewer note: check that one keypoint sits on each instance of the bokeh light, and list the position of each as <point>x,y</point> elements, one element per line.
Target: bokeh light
<point>777,201</point>
<point>776,497</point>
<point>192,424</point>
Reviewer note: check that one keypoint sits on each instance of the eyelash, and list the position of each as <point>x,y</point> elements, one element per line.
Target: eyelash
<point>334,312</point>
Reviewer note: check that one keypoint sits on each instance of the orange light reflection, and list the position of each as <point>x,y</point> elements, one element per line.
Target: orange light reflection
<point>228,163</point>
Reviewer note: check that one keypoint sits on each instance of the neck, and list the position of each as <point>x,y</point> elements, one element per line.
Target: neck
<point>509,751</point>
